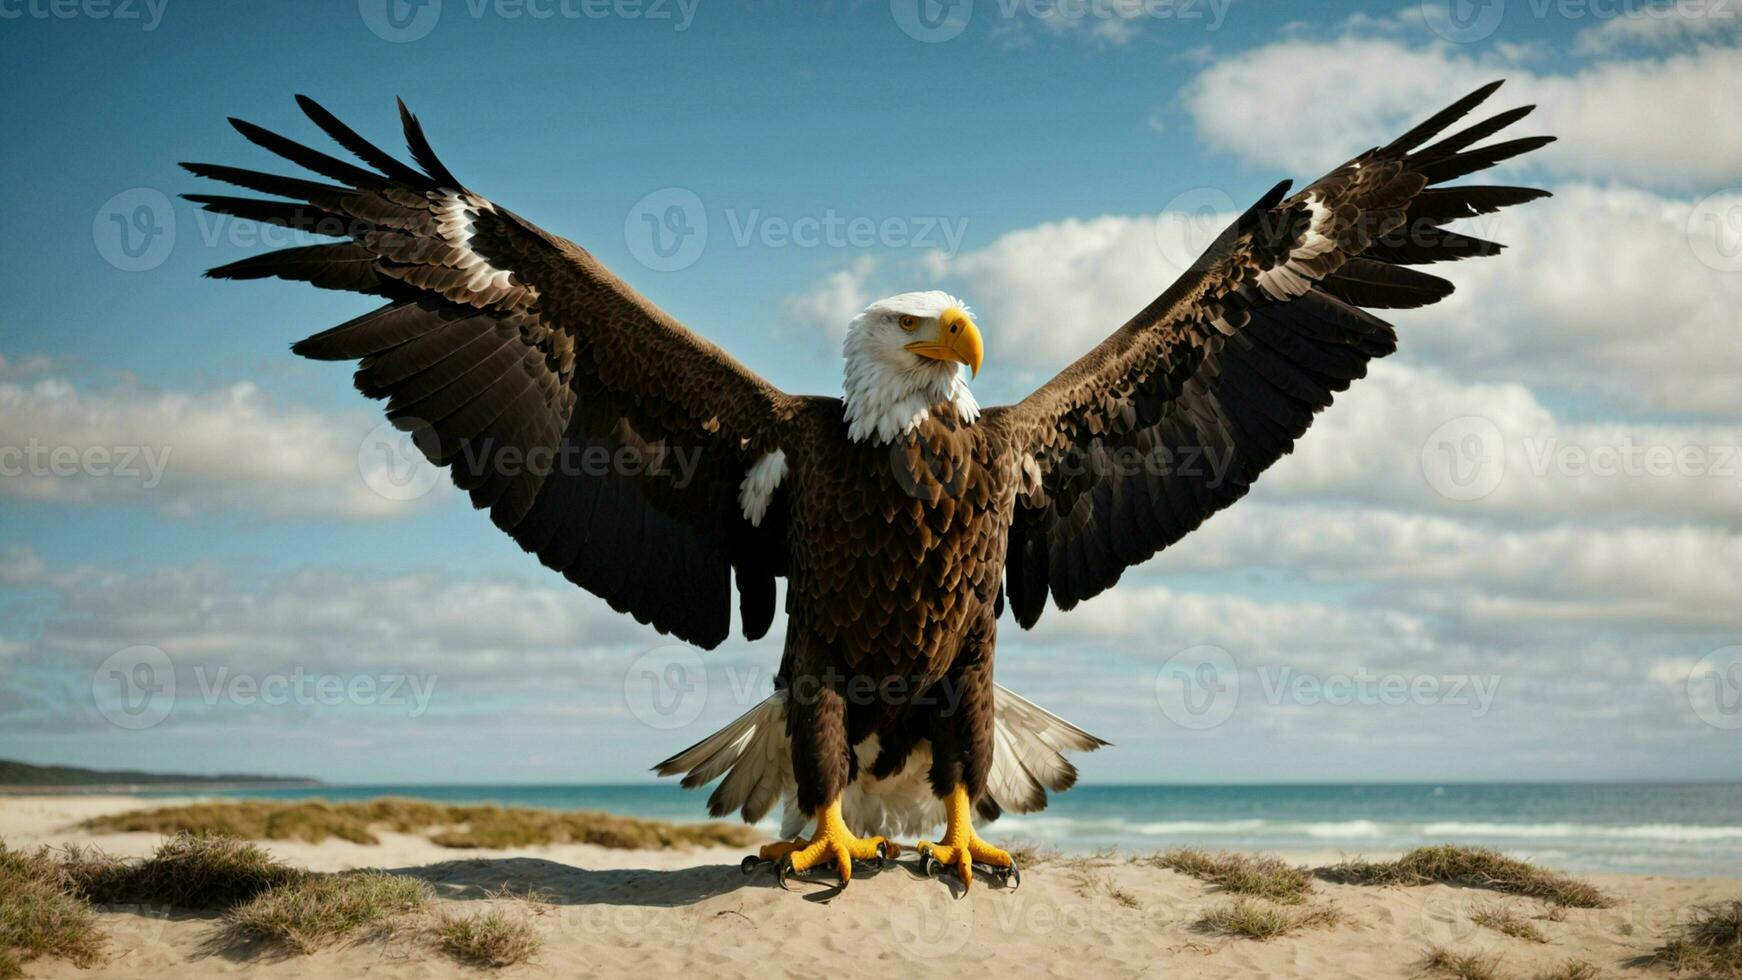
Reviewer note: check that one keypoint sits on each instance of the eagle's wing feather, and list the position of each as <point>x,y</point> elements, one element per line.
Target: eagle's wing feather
<point>598,431</point>
<point>1172,417</point>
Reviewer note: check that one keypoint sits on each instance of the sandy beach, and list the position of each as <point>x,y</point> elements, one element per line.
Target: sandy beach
<point>606,912</point>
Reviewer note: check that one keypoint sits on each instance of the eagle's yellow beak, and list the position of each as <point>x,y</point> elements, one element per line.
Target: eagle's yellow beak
<point>957,340</point>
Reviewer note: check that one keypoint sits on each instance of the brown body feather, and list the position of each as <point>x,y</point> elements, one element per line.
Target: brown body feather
<point>896,555</point>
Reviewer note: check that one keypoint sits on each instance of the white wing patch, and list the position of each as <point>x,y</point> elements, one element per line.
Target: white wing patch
<point>1291,279</point>
<point>455,224</point>
<point>757,490</point>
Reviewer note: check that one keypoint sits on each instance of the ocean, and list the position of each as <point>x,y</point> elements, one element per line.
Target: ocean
<point>1692,829</point>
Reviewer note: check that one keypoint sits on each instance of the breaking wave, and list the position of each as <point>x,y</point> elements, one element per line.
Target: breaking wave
<point>1359,830</point>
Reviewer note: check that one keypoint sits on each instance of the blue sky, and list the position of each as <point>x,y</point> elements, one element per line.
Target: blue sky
<point>1064,150</point>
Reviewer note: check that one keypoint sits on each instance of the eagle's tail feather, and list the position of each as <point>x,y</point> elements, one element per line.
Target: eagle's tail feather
<point>1041,739</point>
<point>1029,743</point>
<point>752,749</point>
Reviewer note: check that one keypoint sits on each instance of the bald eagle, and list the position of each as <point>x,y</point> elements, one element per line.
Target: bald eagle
<point>903,516</point>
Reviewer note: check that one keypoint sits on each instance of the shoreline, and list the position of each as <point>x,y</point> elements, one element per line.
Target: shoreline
<point>135,789</point>
<point>623,912</point>
<point>1652,845</point>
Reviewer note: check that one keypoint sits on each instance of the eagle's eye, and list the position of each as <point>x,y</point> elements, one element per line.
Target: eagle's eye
<point>909,321</point>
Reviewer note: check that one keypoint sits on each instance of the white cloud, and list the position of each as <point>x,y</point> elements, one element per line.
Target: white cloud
<point>1499,676</point>
<point>825,310</point>
<point>1384,443</point>
<point>1661,25</point>
<point>1049,293</point>
<point>341,674</point>
<point>1111,23</point>
<point>1307,105</point>
<point>318,618</point>
<point>21,566</point>
<point>1603,291</point>
<point>12,369</point>
<point>1154,622</point>
<point>1637,579</point>
<point>482,639</point>
<point>226,450</point>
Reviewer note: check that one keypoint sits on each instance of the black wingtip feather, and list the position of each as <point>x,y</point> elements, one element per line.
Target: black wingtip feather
<point>1469,135</point>
<point>1481,158</point>
<point>1274,196</point>
<point>289,214</point>
<point>1440,120</point>
<point>304,156</point>
<point>1254,214</point>
<point>421,151</point>
<point>364,150</point>
<point>265,183</point>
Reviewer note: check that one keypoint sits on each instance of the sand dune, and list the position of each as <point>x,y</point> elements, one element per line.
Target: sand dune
<point>660,913</point>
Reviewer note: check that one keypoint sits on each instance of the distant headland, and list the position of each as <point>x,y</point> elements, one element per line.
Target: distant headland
<point>23,778</point>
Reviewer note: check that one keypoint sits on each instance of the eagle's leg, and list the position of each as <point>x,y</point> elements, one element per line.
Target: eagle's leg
<point>960,847</point>
<point>823,766</point>
<point>832,842</point>
<point>962,760</point>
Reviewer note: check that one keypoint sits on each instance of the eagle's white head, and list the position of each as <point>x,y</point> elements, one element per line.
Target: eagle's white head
<point>904,355</point>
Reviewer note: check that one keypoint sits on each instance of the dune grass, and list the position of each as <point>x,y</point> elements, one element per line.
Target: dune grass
<point>1030,853</point>
<point>1440,961</point>
<point>320,910</point>
<point>1256,919</point>
<point>187,870</point>
<point>1262,876</point>
<point>1474,867</point>
<point>1443,962</point>
<point>500,827</point>
<point>1505,919</point>
<point>492,938</point>
<point>46,903</point>
<point>40,915</point>
<point>1570,970</point>
<point>1092,882</point>
<point>457,826</point>
<point>1710,944</point>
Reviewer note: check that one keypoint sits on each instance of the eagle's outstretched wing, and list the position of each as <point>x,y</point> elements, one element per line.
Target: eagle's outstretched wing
<point>1171,419</point>
<point>600,433</point>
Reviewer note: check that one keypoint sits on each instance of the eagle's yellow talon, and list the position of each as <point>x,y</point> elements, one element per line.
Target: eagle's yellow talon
<point>832,843</point>
<point>780,849</point>
<point>960,847</point>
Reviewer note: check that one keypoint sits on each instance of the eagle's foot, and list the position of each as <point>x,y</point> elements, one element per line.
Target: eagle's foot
<point>962,849</point>
<point>832,844</point>
<point>966,856</point>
